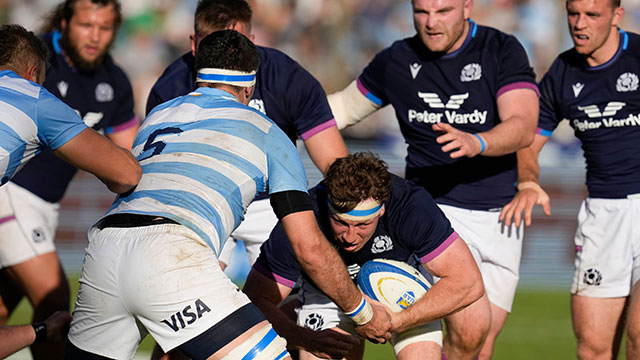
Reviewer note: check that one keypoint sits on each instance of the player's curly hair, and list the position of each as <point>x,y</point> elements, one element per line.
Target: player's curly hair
<point>65,11</point>
<point>20,47</point>
<point>355,178</point>
<point>212,15</point>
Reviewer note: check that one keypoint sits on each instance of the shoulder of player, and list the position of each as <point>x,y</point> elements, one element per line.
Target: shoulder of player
<point>274,61</point>
<point>493,39</point>
<point>405,197</point>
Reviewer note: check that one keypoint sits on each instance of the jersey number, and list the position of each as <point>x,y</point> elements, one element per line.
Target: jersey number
<point>159,145</point>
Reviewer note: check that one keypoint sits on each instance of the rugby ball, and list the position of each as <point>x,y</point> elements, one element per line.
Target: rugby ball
<point>393,283</point>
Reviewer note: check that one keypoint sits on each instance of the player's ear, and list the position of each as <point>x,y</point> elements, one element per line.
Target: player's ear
<point>192,39</point>
<point>382,210</point>
<point>466,8</point>
<point>618,13</point>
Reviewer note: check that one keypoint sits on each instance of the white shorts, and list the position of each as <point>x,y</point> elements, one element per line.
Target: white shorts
<point>318,312</point>
<point>495,247</point>
<point>254,230</point>
<point>607,240</point>
<point>27,225</point>
<point>161,278</point>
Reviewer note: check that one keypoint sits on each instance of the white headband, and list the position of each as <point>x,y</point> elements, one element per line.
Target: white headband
<point>229,77</point>
<point>365,210</point>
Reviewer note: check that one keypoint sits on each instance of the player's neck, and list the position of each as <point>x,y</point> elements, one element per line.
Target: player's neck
<point>606,52</point>
<point>458,44</point>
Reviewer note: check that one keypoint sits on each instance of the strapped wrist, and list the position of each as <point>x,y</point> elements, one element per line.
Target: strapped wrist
<point>362,314</point>
<point>40,328</point>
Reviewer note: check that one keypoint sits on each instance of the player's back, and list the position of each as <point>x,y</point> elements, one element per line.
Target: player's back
<point>204,158</point>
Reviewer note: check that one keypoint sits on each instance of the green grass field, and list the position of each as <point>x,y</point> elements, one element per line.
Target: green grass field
<point>538,328</point>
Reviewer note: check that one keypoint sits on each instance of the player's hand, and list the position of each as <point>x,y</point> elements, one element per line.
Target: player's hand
<point>378,329</point>
<point>458,142</point>
<point>329,344</point>
<point>524,201</point>
<point>57,325</point>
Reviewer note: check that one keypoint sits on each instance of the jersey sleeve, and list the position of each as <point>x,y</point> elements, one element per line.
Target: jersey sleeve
<point>306,102</point>
<point>549,117</point>
<point>57,122</point>
<point>277,260</point>
<point>285,169</point>
<point>124,117</point>
<point>422,225</point>
<point>373,80</point>
<point>514,71</point>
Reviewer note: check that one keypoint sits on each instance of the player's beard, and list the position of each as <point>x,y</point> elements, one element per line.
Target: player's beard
<point>76,59</point>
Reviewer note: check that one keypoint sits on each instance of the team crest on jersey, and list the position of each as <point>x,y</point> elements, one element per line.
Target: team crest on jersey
<point>415,69</point>
<point>314,321</point>
<point>627,82</point>
<point>471,72</point>
<point>63,86</point>
<point>258,104</point>
<point>381,244</point>
<point>104,92</point>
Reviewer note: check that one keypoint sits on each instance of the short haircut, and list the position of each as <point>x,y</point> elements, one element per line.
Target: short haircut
<point>20,47</point>
<point>65,11</point>
<point>227,49</point>
<point>355,178</point>
<point>212,15</point>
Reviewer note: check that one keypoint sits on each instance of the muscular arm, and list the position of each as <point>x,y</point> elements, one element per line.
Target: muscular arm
<point>460,285</point>
<point>321,262</point>
<point>92,152</point>
<point>349,106</point>
<point>124,138</point>
<point>518,112</point>
<point>326,146</point>
<point>529,191</point>
<point>266,294</point>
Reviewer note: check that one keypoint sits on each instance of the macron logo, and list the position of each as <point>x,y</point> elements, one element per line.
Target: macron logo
<point>611,109</point>
<point>577,88</point>
<point>415,69</point>
<point>435,103</point>
<point>63,87</point>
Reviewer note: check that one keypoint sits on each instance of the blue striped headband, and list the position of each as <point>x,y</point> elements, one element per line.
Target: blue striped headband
<point>365,210</point>
<point>224,76</point>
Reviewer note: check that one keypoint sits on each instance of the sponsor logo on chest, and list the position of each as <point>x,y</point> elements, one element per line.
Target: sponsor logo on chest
<point>605,118</point>
<point>451,113</point>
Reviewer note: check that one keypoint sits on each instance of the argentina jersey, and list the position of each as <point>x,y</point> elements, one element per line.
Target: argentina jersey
<point>204,157</point>
<point>602,105</point>
<point>31,118</point>
<point>461,89</point>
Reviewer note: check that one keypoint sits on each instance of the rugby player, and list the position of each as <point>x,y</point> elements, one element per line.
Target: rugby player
<point>368,213</point>
<point>466,99</point>
<point>284,91</point>
<point>151,264</point>
<point>83,75</point>
<point>594,86</point>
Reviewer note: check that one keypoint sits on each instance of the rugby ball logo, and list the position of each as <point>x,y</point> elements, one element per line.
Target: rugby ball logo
<point>393,283</point>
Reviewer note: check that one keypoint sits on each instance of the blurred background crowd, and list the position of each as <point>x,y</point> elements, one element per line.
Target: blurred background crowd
<point>335,40</point>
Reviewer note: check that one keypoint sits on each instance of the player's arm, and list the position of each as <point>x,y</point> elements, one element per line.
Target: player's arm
<point>518,112</point>
<point>325,147</point>
<point>349,105</point>
<point>92,152</point>
<point>14,338</point>
<point>266,294</point>
<point>460,285</point>
<point>529,191</point>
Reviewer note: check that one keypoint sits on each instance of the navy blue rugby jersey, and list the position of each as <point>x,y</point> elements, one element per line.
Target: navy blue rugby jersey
<point>602,105</point>
<point>287,93</point>
<point>411,227</point>
<point>460,89</point>
<point>104,99</point>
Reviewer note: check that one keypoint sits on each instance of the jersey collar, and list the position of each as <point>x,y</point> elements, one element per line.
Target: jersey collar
<point>473,29</point>
<point>624,44</point>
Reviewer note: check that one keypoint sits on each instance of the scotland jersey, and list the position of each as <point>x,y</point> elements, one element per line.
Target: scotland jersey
<point>459,89</point>
<point>602,105</point>
<point>32,118</point>
<point>402,234</point>
<point>103,98</point>
<point>284,91</point>
<point>204,157</point>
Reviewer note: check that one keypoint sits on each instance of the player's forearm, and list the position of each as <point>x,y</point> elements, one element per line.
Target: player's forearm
<point>444,298</point>
<point>14,338</point>
<point>325,147</point>
<point>508,136</point>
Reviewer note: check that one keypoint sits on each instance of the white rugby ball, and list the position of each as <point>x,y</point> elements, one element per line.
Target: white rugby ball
<point>393,283</point>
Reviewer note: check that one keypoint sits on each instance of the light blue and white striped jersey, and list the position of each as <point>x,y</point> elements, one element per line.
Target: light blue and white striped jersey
<point>204,158</point>
<point>30,117</point>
